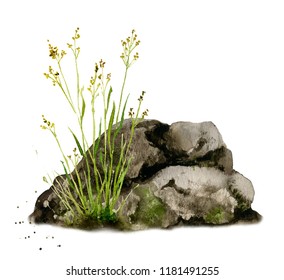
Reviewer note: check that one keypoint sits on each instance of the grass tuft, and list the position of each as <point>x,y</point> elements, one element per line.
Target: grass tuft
<point>92,194</point>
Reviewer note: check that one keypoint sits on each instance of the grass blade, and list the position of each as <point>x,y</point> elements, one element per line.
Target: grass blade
<point>83,108</point>
<point>110,123</point>
<point>77,143</point>
<point>108,96</point>
<point>67,176</point>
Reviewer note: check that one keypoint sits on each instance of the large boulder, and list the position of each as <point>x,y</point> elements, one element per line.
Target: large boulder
<point>187,194</point>
<point>179,173</point>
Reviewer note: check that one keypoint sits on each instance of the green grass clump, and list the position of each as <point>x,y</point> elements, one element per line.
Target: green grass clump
<point>93,195</point>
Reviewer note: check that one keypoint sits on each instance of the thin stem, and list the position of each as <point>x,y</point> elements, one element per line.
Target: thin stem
<point>67,95</point>
<point>61,150</point>
<point>122,91</point>
<point>77,72</point>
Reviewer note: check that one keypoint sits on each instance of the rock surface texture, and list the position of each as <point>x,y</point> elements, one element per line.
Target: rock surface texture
<point>180,174</point>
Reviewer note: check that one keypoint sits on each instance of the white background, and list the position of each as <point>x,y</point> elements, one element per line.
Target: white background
<point>221,61</point>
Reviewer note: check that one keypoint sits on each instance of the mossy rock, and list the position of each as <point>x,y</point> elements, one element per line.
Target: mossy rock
<point>143,210</point>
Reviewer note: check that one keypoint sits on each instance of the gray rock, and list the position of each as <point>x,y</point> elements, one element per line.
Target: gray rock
<point>186,193</point>
<point>185,174</point>
<point>194,139</point>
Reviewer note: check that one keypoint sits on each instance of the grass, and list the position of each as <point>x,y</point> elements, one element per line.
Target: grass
<point>93,194</point>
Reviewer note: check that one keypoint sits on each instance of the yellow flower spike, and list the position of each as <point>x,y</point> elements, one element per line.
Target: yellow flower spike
<point>145,113</point>
<point>92,81</point>
<point>63,53</point>
<point>102,63</point>
<point>53,52</point>
<point>131,113</point>
<point>50,70</point>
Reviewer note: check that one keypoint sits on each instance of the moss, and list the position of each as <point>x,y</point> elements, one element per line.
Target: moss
<point>243,204</point>
<point>151,210</point>
<point>217,216</point>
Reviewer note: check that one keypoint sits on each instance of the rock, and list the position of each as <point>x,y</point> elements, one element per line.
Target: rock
<point>199,141</point>
<point>185,193</point>
<point>196,140</point>
<point>179,173</point>
<point>47,203</point>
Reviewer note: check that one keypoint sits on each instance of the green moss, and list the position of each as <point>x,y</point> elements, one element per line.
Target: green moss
<point>151,210</point>
<point>216,216</point>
